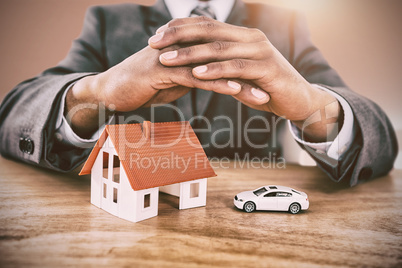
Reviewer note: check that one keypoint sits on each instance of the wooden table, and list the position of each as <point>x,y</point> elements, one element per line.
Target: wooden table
<point>46,220</point>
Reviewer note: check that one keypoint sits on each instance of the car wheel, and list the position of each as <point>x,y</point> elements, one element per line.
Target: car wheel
<point>294,208</point>
<point>249,207</point>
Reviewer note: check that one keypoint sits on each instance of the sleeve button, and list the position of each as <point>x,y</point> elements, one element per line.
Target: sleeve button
<point>26,145</point>
<point>30,146</point>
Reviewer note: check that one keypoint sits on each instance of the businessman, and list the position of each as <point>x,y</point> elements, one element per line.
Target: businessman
<point>239,65</point>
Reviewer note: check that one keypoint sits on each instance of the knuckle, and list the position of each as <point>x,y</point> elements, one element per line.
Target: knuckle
<point>173,30</point>
<point>257,34</point>
<point>219,46</point>
<point>216,83</point>
<point>204,18</point>
<point>216,67</point>
<point>185,51</point>
<point>239,64</point>
<point>208,25</point>
<point>266,49</point>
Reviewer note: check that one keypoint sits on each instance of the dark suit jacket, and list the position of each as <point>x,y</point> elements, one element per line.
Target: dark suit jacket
<point>112,33</point>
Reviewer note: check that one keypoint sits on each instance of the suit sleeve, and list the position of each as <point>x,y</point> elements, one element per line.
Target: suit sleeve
<point>28,113</point>
<point>374,147</point>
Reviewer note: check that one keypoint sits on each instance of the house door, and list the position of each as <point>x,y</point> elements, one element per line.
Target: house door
<point>110,183</point>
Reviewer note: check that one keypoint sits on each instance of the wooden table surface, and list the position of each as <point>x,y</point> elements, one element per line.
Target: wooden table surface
<point>46,220</point>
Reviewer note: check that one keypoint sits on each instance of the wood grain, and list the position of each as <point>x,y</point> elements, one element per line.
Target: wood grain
<point>46,220</point>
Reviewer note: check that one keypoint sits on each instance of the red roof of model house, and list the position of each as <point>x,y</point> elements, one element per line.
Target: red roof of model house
<point>155,154</point>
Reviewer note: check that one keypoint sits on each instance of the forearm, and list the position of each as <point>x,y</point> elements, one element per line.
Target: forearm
<point>83,108</point>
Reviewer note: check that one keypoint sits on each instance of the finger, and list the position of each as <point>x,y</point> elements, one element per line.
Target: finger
<point>251,95</point>
<point>184,77</point>
<point>204,31</point>
<point>236,68</point>
<point>221,86</point>
<point>182,21</point>
<point>216,51</point>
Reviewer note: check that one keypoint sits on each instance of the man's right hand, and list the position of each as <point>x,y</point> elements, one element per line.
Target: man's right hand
<point>140,80</point>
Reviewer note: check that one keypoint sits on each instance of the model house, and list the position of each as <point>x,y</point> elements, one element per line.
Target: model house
<point>131,163</point>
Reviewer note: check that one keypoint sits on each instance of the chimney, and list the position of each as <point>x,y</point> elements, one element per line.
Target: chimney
<point>146,129</point>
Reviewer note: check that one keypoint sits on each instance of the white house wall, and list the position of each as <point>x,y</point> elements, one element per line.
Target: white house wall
<point>186,201</point>
<point>131,203</point>
<point>126,198</point>
<point>96,181</point>
<point>142,213</point>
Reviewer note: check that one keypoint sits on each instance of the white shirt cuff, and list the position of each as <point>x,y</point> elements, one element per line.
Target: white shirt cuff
<point>342,142</point>
<point>65,134</point>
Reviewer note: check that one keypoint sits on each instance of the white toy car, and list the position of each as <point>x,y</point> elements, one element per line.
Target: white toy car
<point>272,197</point>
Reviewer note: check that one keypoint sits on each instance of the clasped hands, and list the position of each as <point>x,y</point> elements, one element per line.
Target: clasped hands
<point>203,53</point>
<point>235,61</point>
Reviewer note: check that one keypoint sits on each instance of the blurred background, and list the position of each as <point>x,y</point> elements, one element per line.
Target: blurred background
<point>361,39</point>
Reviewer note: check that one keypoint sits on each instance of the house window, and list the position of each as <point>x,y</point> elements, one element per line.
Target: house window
<point>104,190</point>
<point>147,200</point>
<point>105,164</point>
<point>116,169</point>
<point>194,190</point>
<point>115,195</point>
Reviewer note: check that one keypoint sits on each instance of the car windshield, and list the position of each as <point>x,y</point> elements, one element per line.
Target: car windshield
<point>260,191</point>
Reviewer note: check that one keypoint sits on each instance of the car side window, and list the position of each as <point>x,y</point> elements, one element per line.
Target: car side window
<point>271,194</point>
<point>283,194</point>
